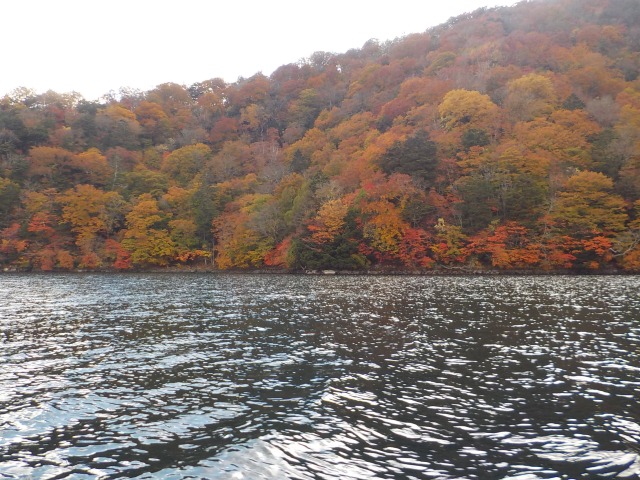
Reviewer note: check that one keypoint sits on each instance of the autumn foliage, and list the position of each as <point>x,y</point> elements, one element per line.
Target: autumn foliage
<point>506,139</point>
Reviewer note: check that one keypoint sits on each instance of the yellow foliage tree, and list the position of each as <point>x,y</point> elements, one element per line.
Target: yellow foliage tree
<point>146,238</point>
<point>329,221</point>
<point>530,96</point>
<point>587,206</point>
<point>467,108</point>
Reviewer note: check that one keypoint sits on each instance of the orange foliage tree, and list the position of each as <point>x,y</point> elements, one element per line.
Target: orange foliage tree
<point>93,215</point>
<point>507,246</point>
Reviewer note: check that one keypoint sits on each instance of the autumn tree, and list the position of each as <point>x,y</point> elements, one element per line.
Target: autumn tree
<point>586,205</point>
<point>414,249</point>
<point>329,221</point>
<point>175,101</point>
<point>589,215</point>
<point>12,244</point>
<point>626,246</point>
<point>155,123</point>
<point>48,242</point>
<point>183,229</point>
<point>331,241</point>
<point>183,164</point>
<point>448,247</point>
<point>562,139</point>
<point>530,96</point>
<point>238,242</point>
<point>94,215</point>
<point>146,237</point>
<point>91,167</point>
<point>49,165</point>
<point>117,126</point>
<point>467,109</point>
<point>383,230</point>
<point>143,180</point>
<point>506,246</point>
<point>233,160</point>
<point>306,108</point>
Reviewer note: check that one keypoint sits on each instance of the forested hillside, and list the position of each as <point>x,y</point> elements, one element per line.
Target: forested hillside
<point>508,138</point>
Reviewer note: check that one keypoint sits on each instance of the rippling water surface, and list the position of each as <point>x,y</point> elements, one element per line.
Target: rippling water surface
<point>305,377</point>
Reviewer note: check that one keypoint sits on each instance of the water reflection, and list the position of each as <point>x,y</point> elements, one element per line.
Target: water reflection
<point>195,376</point>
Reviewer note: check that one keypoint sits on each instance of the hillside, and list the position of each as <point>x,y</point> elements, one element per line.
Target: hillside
<point>508,138</point>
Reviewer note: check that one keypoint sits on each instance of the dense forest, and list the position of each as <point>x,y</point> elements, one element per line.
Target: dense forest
<point>505,139</point>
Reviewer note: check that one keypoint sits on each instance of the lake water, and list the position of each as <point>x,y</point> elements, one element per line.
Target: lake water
<point>316,377</point>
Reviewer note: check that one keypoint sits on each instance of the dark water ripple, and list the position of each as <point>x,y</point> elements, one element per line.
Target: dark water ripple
<point>276,377</point>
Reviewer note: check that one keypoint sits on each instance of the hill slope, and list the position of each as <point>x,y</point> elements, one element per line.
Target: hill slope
<point>508,138</point>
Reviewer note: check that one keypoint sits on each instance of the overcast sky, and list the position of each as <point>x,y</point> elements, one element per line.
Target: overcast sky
<point>94,46</point>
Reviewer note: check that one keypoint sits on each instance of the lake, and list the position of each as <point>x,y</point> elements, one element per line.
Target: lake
<point>315,377</point>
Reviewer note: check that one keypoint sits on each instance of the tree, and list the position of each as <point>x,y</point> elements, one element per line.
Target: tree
<point>146,237</point>
<point>183,164</point>
<point>11,243</point>
<point>584,222</point>
<point>587,205</point>
<point>253,121</point>
<point>280,256</point>
<point>91,167</point>
<point>306,107</point>
<point>508,183</point>
<point>474,137</point>
<point>175,102</point>
<point>469,109</point>
<point>204,211</point>
<point>530,96</point>
<point>342,252</point>
<point>232,160</point>
<point>117,126</point>
<point>47,239</point>
<point>299,163</point>
<point>520,128</point>
<point>93,215</point>
<point>416,156</point>
<point>573,102</point>
<point>142,180</point>
<point>48,165</point>
<point>9,198</point>
<point>414,249</point>
<point>154,121</point>
<point>329,221</point>
<point>190,243</point>
<point>564,134</point>
<point>507,246</point>
<point>238,243</point>
<point>627,244</point>
<point>383,229</point>
<point>448,247</point>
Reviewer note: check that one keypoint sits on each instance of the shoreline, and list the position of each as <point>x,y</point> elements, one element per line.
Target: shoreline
<point>451,272</point>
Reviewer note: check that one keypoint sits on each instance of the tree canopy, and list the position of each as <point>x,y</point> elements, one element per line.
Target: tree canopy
<point>503,139</point>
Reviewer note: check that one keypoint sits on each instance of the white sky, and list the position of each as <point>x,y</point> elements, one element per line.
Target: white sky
<point>93,46</point>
